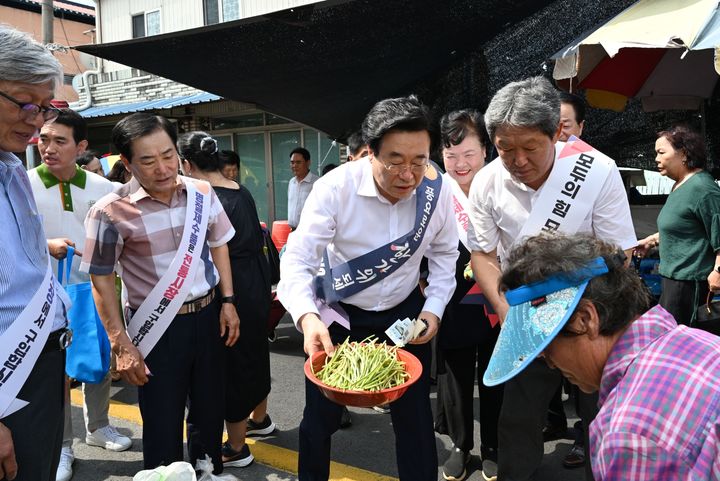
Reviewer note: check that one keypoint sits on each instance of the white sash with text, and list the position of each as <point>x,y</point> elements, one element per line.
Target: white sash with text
<point>461,204</point>
<point>569,194</point>
<point>159,308</point>
<point>23,342</point>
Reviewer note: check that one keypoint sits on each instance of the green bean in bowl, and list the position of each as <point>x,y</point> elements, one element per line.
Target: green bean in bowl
<point>363,366</point>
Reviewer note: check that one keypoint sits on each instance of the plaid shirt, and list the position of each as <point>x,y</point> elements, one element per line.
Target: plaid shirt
<point>659,413</point>
<point>142,234</point>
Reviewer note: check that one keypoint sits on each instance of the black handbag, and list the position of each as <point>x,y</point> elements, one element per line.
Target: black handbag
<point>272,256</point>
<point>707,316</point>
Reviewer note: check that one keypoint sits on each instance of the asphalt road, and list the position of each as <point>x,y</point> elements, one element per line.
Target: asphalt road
<point>363,452</point>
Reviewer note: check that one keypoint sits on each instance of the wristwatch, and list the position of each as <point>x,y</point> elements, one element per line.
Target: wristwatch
<point>228,300</point>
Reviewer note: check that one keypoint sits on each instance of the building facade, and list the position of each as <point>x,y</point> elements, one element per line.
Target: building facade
<point>73,24</point>
<point>262,140</point>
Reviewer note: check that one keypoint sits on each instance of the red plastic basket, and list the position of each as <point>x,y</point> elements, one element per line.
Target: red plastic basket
<point>364,399</point>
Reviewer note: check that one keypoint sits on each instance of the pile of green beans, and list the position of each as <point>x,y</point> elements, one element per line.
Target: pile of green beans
<point>363,366</point>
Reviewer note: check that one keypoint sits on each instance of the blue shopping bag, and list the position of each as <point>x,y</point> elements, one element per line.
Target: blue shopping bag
<point>88,357</point>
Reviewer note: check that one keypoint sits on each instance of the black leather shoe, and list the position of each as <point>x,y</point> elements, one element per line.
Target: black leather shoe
<point>489,463</point>
<point>575,458</point>
<point>454,468</point>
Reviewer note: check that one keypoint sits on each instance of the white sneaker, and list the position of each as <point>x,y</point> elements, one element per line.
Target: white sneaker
<point>109,438</point>
<point>64,469</point>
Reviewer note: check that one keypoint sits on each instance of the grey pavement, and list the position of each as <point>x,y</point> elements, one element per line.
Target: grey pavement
<point>368,444</point>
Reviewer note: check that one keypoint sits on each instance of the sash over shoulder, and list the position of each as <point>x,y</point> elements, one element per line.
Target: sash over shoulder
<point>157,311</point>
<point>333,284</point>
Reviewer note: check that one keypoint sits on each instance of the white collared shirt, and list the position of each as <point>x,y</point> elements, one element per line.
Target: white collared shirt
<point>500,205</point>
<point>60,222</point>
<point>298,192</point>
<point>346,213</point>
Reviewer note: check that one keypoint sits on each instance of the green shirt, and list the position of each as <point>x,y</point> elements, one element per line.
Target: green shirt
<point>689,226</point>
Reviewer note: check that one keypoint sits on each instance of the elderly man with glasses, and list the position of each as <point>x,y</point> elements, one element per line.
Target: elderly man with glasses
<point>372,221</point>
<point>33,331</point>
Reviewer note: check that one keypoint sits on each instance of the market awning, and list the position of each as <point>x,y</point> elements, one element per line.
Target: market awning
<point>325,64</point>
<point>159,104</point>
<point>660,51</point>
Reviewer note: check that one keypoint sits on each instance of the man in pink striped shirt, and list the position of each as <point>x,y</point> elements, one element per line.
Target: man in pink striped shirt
<point>574,303</point>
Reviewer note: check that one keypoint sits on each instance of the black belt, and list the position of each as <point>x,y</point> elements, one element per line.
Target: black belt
<point>189,307</point>
<point>58,340</point>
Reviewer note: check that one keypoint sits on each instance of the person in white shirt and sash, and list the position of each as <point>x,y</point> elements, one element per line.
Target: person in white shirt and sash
<point>372,221</point>
<point>537,185</point>
<point>33,333</point>
<point>159,231</point>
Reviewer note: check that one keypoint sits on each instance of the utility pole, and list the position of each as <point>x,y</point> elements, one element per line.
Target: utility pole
<point>47,21</point>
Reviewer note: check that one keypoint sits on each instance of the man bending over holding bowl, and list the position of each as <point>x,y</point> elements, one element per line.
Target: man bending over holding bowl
<point>369,223</point>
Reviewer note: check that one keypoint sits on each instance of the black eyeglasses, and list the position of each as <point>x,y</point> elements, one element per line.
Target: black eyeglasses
<point>30,111</point>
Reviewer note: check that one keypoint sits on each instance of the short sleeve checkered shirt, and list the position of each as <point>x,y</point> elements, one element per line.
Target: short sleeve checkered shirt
<point>131,229</point>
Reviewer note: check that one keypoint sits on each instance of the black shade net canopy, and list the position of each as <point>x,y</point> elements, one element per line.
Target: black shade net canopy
<point>325,64</point>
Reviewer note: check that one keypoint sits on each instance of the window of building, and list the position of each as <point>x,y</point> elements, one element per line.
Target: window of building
<point>146,24</point>
<point>138,25</point>
<point>217,11</point>
<point>68,78</point>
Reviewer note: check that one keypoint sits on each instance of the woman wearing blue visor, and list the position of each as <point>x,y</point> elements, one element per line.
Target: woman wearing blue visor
<point>573,303</point>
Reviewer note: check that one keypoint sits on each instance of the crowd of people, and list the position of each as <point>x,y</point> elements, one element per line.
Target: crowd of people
<point>518,266</point>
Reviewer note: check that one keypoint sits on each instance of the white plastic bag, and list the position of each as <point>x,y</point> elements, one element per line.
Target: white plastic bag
<point>205,467</point>
<point>179,471</point>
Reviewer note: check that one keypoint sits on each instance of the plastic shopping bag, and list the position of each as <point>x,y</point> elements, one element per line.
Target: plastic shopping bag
<point>179,471</point>
<point>205,467</point>
<point>88,357</point>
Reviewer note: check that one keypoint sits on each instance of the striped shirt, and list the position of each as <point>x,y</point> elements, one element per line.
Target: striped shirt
<point>659,402</point>
<point>23,247</point>
<point>298,192</point>
<point>130,228</point>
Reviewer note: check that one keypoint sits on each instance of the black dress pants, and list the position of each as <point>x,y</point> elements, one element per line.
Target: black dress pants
<point>411,414</point>
<point>682,298</point>
<point>556,411</point>
<point>37,429</point>
<point>522,417</point>
<point>187,368</point>
<point>456,386</point>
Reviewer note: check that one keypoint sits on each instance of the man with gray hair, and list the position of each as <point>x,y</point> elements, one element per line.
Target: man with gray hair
<point>537,185</point>
<point>33,331</point>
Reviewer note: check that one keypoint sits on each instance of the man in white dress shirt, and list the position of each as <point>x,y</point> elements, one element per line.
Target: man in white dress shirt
<point>373,220</point>
<point>523,120</point>
<point>300,185</point>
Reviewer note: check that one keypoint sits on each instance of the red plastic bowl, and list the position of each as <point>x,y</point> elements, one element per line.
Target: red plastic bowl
<point>364,399</point>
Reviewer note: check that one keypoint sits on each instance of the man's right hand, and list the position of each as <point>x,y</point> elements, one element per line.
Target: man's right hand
<point>8,464</point>
<point>316,335</point>
<point>130,363</point>
<point>58,247</point>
